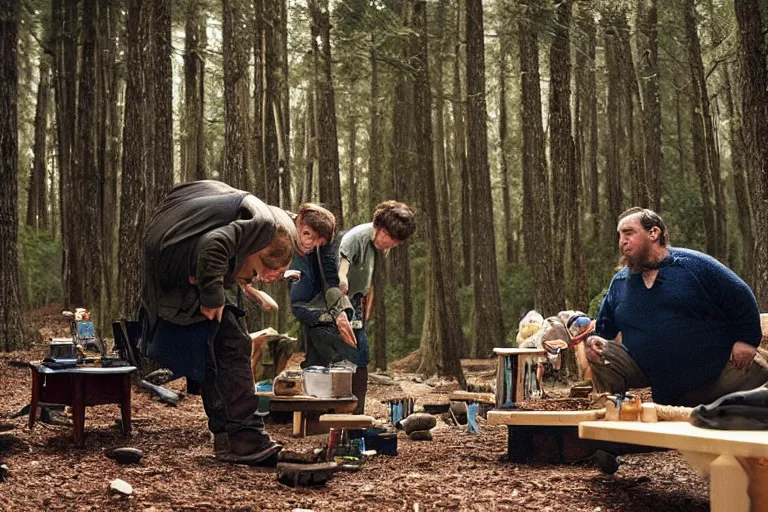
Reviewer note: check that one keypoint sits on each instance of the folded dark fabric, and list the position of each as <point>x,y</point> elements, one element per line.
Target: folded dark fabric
<point>742,410</point>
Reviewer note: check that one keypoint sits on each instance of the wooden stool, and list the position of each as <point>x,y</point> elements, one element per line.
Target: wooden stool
<point>80,387</point>
<point>516,375</point>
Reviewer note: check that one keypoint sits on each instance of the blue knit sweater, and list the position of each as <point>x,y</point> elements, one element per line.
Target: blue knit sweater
<point>680,332</point>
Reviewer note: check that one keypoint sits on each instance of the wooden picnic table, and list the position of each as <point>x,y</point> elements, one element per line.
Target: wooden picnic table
<point>308,409</point>
<point>736,461</point>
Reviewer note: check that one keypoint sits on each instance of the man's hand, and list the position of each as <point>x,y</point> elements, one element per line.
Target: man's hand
<point>595,349</point>
<point>344,284</point>
<point>345,330</point>
<point>266,302</point>
<point>211,313</point>
<point>742,355</point>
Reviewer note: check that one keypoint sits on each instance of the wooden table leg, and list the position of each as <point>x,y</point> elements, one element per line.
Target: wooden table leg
<point>757,471</point>
<point>78,409</point>
<point>728,485</point>
<point>125,405</point>
<point>299,424</point>
<point>35,397</point>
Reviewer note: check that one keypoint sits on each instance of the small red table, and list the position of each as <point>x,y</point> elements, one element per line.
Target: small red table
<point>79,387</point>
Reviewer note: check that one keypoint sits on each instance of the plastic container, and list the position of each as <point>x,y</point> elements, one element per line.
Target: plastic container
<point>341,381</point>
<point>318,382</point>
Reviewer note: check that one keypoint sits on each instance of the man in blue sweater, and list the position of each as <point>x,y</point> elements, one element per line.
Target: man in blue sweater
<point>674,319</point>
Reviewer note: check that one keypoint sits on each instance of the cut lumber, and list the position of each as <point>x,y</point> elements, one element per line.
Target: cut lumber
<point>533,418</point>
<point>465,396</point>
<point>346,420</point>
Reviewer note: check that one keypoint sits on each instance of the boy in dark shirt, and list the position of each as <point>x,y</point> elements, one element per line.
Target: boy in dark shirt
<point>204,239</point>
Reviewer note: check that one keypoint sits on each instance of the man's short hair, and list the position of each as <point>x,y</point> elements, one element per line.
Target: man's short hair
<point>279,252</point>
<point>322,221</point>
<point>396,218</point>
<point>648,219</point>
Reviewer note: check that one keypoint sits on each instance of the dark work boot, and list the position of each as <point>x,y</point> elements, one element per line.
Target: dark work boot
<point>246,447</point>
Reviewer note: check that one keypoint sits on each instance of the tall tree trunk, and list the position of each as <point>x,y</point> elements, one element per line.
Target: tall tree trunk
<point>698,119</point>
<point>11,333</point>
<point>649,79</point>
<point>352,180</point>
<point>460,144</point>
<point>283,115</point>
<point>310,147</point>
<point>440,344</point>
<point>65,26</point>
<point>591,93</point>
<point>89,183</point>
<point>561,146</point>
<point>509,233</point>
<point>133,181</point>
<point>741,188</point>
<point>704,142</point>
<point>37,211</point>
<point>740,184</point>
<point>162,167</point>
<point>270,71</point>
<point>257,156</point>
<point>193,130</point>
<point>109,150</point>
<point>456,346</point>
<point>236,101</point>
<point>488,330</point>
<point>147,42</point>
<point>537,206</point>
<point>375,192</point>
<point>634,142</point>
<point>754,82</point>
<point>328,146</point>
<point>612,148</point>
<point>402,162</point>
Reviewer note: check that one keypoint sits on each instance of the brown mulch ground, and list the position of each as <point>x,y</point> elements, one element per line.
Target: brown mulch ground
<point>456,471</point>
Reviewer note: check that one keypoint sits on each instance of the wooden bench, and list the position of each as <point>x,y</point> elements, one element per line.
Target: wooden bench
<point>531,435</point>
<point>516,375</point>
<point>735,461</point>
<point>308,409</point>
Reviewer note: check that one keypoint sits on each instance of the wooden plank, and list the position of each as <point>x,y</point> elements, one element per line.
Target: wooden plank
<point>679,435</point>
<point>533,418</point>
<point>465,396</point>
<point>346,420</point>
<point>518,351</point>
<point>728,483</point>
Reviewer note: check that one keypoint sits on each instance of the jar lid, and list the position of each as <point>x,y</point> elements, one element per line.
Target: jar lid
<point>316,369</point>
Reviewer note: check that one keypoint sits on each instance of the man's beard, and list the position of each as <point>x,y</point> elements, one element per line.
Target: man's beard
<point>640,262</point>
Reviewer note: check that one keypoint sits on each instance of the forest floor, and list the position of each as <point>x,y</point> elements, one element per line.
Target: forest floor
<point>455,471</point>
